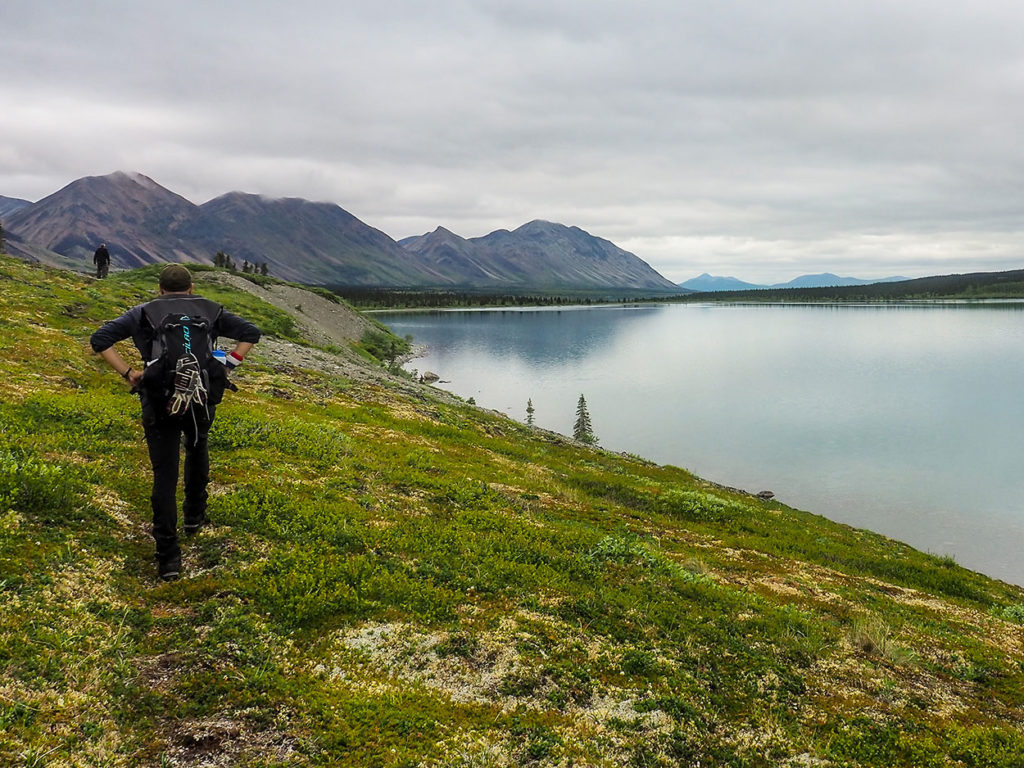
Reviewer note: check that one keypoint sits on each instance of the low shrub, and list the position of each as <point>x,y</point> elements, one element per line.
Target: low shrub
<point>324,444</point>
<point>80,414</point>
<point>384,345</point>
<point>42,491</point>
<point>309,586</point>
<point>1013,612</point>
<point>698,507</point>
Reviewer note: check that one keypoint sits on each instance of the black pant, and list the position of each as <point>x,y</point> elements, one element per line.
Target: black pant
<point>164,438</point>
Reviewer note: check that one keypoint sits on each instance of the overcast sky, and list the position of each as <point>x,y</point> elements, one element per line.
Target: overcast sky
<point>757,139</point>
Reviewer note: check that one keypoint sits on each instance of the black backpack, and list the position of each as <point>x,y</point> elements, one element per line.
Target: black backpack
<point>182,355</point>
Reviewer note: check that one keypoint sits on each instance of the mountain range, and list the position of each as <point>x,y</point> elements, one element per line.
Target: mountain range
<point>142,222</point>
<point>567,256</point>
<point>708,283</point>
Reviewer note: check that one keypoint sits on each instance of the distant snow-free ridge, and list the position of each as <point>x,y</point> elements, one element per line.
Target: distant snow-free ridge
<point>708,283</point>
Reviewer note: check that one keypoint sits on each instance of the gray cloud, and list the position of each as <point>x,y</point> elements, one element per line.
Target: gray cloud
<point>761,140</point>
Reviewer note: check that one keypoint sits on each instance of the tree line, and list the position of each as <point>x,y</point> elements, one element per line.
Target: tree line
<point>224,261</point>
<point>395,298</point>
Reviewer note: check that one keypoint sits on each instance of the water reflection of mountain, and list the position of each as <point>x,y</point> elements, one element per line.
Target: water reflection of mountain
<point>528,336</point>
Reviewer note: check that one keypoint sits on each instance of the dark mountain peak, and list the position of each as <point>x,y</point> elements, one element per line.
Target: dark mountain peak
<point>569,237</point>
<point>445,233</point>
<point>495,233</point>
<point>253,198</point>
<point>439,238</point>
<point>129,212</point>
<point>122,184</point>
<point>556,256</point>
<point>116,199</point>
<point>243,199</point>
<point>453,258</point>
<point>237,201</point>
<point>540,225</point>
<point>442,235</point>
<point>538,228</point>
<point>132,177</point>
<point>233,196</point>
<point>256,202</point>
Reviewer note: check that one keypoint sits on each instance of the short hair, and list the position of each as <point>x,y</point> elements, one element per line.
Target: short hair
<point>175,278</point>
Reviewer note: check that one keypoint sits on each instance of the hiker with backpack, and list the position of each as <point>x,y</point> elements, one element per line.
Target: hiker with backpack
<point>101,258</point>
<point>180,385</point>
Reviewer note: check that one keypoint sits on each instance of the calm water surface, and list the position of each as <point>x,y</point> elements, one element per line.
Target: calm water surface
<point>904,419</point>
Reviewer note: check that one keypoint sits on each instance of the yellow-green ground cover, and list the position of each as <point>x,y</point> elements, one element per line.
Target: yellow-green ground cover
<point>393,579</point>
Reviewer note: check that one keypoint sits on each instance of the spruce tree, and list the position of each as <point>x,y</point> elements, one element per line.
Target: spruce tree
<point>583,431</point>
<point>529,411</point>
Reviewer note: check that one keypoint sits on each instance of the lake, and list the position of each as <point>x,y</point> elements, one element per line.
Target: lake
<point>904,419</point>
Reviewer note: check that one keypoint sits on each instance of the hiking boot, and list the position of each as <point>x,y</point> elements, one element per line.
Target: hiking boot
<point>194,524</point>
<point>169,568</point>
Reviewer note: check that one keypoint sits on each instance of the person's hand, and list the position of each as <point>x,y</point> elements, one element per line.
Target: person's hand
<point>134,378</point>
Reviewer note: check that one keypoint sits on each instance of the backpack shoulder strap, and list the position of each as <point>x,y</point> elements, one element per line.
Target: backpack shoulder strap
<point>207,308</point>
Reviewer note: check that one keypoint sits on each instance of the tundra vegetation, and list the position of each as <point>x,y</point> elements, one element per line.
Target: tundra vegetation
<point>394,579</point>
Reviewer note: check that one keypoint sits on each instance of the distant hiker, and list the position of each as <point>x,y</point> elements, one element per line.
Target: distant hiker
<point>102,261</point>
<point>180,386</point>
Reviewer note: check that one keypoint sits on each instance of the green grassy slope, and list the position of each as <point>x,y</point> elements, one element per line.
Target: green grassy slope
<point>394,580</point>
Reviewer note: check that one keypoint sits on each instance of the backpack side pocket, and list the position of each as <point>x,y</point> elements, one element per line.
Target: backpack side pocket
<point>218,382</point>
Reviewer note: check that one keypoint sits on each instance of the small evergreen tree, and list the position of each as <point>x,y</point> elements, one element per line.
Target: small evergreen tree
<point>3,245</point>
<point>220,259</point>
<point>583,431</point>
<point>245,266</point>
<point>263,268</point>
<point>529,411</point>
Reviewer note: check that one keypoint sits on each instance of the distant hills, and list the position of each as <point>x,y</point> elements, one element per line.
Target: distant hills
<point>973,285</point>
<point>315,243</point>
<point>567,256</point>
<point>707,283</point>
